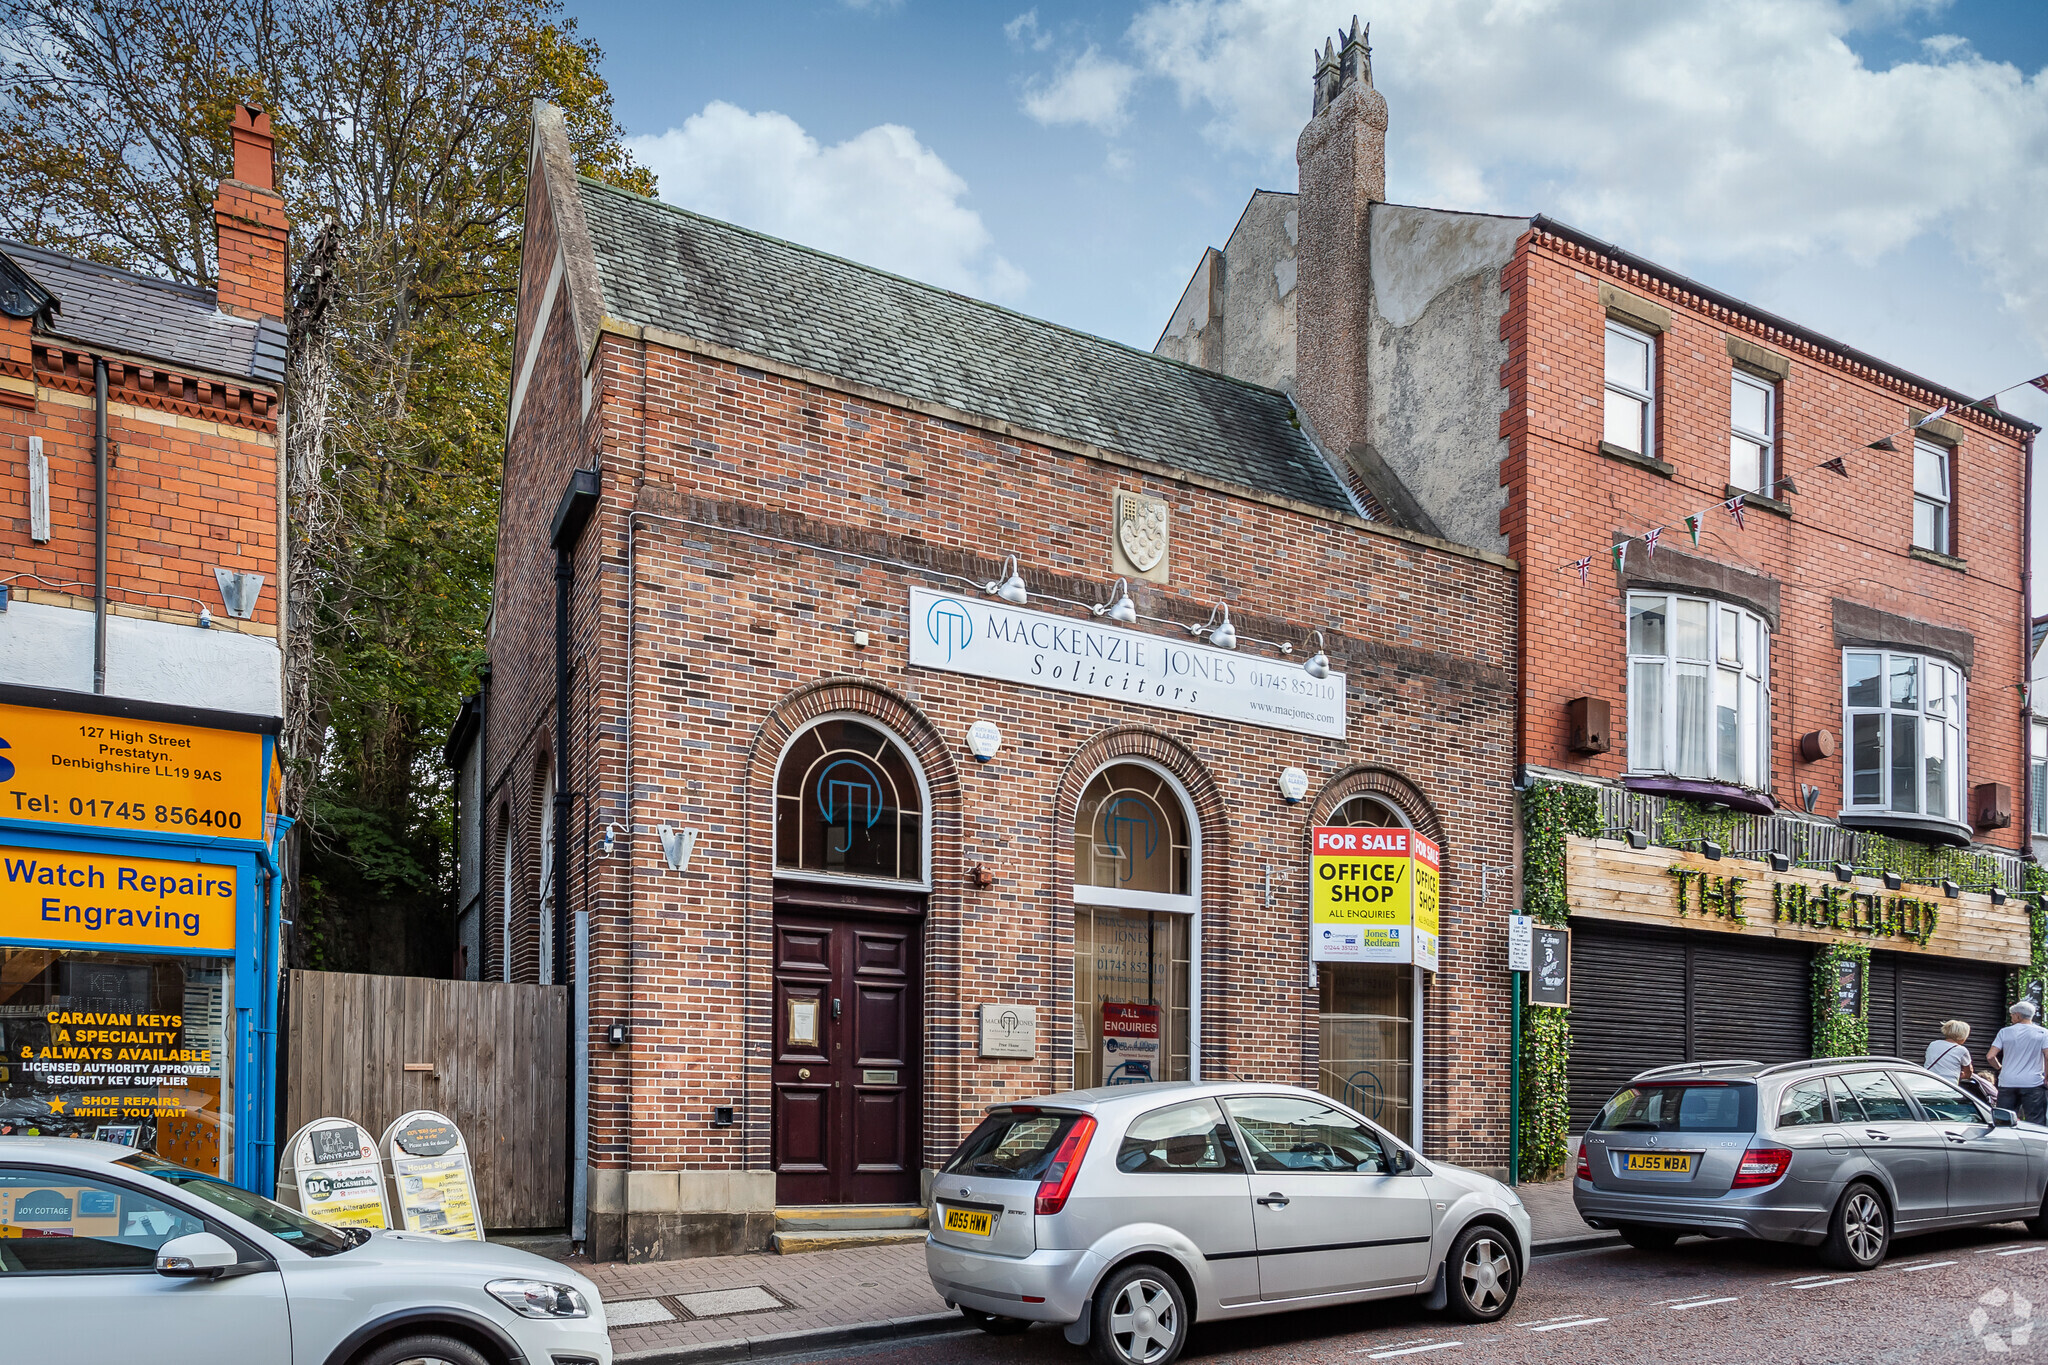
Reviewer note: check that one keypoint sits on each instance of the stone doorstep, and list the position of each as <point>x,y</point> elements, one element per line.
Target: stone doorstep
<point>786,1343</point>
<point>826,1217</point>
<point>792,1243</point>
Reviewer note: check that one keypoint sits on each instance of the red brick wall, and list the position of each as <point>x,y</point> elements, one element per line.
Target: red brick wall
<point>1846,538</point>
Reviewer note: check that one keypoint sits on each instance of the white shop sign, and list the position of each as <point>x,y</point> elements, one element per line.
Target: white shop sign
<point>966,634</point>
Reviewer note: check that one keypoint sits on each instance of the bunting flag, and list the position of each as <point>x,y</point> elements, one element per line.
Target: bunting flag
<point>1692,524</point>
<point>1837,465</point>
<point>1620,551</point>
<point>1735,506</point>
<point>1584,566</point>
<point>1650,541</point>
<point>1934,416</point>
<point>2041,383</point>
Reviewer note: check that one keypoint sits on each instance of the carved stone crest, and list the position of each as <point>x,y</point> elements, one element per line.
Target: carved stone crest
<point>1142,535</point>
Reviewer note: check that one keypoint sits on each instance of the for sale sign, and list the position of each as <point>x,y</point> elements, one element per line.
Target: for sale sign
<point>1373,896</point>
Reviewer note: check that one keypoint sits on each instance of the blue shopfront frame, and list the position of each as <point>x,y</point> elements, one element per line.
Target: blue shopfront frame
<point>258,896</point>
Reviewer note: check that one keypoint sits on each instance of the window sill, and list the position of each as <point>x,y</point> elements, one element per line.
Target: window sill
<point>1926,556</point>
<point>1639,460</point>
<point>1927,828</point>
<point>1762,503</point>
<point>1704,790</point>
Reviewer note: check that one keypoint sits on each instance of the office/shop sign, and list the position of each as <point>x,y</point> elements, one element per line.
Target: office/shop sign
<point>143,777</point>
<point>1117,663</point>
<point>1373,896</point>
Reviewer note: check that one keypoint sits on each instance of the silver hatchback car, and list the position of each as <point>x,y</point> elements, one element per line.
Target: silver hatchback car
<point>1840,1152</point>
<point>1128,1213</point>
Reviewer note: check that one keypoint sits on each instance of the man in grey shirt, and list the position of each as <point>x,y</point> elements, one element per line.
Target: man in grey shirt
<point>2017,1054</point>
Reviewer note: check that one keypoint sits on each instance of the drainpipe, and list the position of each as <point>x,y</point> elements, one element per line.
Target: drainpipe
<point>99,534</point>
<point>2026,784</point>
<point>579,501</point>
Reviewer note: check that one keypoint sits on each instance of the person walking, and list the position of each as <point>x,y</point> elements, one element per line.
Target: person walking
<point>2017,1054</point>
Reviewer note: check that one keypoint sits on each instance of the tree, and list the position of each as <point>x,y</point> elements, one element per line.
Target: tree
<point>402,138</point>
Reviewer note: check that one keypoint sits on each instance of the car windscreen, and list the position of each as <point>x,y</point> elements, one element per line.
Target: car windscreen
<point>1013,1144</point>
<point>1681,1107</point>
<point>292,1228</point>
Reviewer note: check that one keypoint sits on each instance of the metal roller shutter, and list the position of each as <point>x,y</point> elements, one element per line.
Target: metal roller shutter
<point>1911,996</point>
<point>1650,997</point>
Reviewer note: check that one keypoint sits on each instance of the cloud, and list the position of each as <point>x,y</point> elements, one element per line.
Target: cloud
<point>1023,31</point>
<point>872,6</point>
<point>1743,130</point>
<point>882,197</point>
<point>1088,88</point>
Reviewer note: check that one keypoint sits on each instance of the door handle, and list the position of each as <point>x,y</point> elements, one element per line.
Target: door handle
<point>1876,1133</point>
<point>1275,1200</point>
<point>835,1009</point>
<point>1955,1137</point>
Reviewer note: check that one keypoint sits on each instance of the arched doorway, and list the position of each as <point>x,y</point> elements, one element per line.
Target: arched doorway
<point>852,847</point>
<point>1366,1012</point>
<point>1137,929</point>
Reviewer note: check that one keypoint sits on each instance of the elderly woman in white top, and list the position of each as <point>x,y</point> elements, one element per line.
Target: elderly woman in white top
<point>1947,1057</point>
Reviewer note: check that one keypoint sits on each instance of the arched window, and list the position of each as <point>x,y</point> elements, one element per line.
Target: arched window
<point>848,802</point>
<point>1137,929</point>
<point>1366,1012</point>
<point>1368,812</point>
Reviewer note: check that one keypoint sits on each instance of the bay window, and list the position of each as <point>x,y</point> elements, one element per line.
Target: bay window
<point>1904,715</point>
<point>1698,690</point>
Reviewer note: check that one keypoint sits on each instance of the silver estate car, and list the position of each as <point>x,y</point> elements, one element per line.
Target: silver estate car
<point>1843,1153</point>
<point>1127,1213</point>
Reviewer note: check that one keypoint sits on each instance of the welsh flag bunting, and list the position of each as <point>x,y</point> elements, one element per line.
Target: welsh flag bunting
<point>1584,566</point>
<point>1620,550</point>
<point>1650,541</point>
<point>1692,524</point>
<point>1735,508</point>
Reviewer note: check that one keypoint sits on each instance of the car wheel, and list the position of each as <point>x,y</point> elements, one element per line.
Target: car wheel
<point>1860,1233</point>
<point>993,1324</point>
<point>423,1351</point>
<point>1480,1275</point>
<point>1645,1237</point>
<point>1141,1318</point>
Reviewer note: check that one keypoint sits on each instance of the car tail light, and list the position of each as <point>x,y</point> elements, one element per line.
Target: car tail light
<point>1762,1166</point>
<point>1585,1164</point>
<point>1066,1164</point>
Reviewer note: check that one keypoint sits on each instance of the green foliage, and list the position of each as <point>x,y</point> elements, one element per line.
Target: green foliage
<point>1836,1034</point>
<point>1550,812</point>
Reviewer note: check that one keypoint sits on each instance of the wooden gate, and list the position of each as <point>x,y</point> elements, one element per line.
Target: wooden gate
<point>487,1054</point>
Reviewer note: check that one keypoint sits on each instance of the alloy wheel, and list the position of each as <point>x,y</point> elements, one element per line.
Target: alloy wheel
<point>1863,1226</point>
<point>1486,1274</point>
<point>1144,1321</point>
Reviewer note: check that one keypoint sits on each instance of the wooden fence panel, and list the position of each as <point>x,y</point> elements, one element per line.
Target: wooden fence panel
<point>487,1054</point>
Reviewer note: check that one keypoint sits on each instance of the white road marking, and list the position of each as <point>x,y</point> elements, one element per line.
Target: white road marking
<point>1802,1281</point>
<point>1682,1298</point>
<point>1924,1265</point>
<point>1823,1284</point>
<point>1554,1326</point>
<point>1983,1251</point>
<point>1702,1303</point>
<point>2021,1251</point>
<point>1413,1350</point>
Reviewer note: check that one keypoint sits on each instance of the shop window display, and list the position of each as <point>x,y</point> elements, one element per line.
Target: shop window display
<point>123,1048</point>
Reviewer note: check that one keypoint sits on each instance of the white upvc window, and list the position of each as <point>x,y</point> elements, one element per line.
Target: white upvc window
<point>1904,716</point>
<point>1752,442</point>
<point>1931,484</point>
<point>1631,389</point>
<point>1699,699</point>
<point>2037,780</point>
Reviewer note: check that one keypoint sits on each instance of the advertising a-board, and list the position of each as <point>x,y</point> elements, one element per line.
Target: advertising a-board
<point>332,1173</point>
<point>430,1174</point>
<point>1373,896</point>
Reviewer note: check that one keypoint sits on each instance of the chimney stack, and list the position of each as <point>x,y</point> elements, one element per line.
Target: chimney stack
<point>1342,156</point>
<point>248,215</point>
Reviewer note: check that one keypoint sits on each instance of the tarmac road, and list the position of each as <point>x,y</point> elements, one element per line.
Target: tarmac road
<point>1703,1301</point>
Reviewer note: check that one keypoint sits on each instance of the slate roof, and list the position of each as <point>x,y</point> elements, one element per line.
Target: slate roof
<point>665,267</point>
<point>112,309</point>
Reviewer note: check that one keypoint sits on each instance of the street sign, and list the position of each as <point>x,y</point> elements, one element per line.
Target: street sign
<point>1521,956</point>
<point>1550,980</point>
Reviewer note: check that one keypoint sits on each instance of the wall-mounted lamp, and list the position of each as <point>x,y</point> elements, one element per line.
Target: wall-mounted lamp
<point>1317,665</point>
<point>1891,881</point>
<point>1710,850</point>
<point>206,618</point>
<point>1119,607</point>
<point>1780,863</point>
<point>1293,785</point>
<point>1011,586</point>
<point>1950,889</point>
<point>1998,895</point>
<point>611,841</point>
<point>616,1035</point>
<point>1843,872</point>
<point>238,591</point>
<point>1223,635</point>
<point>984,740</point>
<point>676,846</point>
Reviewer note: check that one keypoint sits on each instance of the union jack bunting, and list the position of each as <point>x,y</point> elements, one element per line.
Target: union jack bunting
<point>1650,541</point>
<point>1584,566</point>
<point>1735,506</point>
<point>2041,383</point>
<point>1934,416</point>
<point>1837,465</point>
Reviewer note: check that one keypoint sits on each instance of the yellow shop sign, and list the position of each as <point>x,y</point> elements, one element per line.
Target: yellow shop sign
<point>100,900</point>
<point>67,768</point>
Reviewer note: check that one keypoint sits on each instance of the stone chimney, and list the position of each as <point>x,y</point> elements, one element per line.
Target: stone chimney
<point>1342,156</point>
<point>248,215</point>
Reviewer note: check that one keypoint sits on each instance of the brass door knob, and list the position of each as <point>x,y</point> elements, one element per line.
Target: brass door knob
<point>803,1073</point>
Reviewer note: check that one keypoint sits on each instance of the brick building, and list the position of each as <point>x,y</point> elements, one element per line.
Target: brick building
<point>882,797</point>
<point>141,678</point>
<point>1821,692</point>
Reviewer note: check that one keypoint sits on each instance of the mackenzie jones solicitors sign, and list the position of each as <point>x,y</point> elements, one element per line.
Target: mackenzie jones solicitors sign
<point>1113,662</point>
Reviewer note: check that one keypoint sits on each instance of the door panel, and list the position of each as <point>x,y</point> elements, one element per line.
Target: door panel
<point>1891,1133</point>
<point>847,1064</point>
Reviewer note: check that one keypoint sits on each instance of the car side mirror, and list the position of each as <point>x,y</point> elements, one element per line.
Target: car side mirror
<point>2004,1118</point>
<point>197,1254</point>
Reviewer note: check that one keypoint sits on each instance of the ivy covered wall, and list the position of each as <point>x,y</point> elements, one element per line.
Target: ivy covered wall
<point>1835,1033</point>
<point>1550,811</point>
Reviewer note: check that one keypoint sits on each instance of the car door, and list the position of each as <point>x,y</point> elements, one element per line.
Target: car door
<point>1891,1133</point>
<point>1329,1214</point>
<point>1806,1127</point>
<point>78,1281</point>
<point>1180,1167</point>
<point>1987,1165</point>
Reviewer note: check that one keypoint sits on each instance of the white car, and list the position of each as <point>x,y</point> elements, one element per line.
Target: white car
<point>111,1255</point>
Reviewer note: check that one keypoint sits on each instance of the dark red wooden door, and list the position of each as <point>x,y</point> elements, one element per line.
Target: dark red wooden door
<point>848,1030</point>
